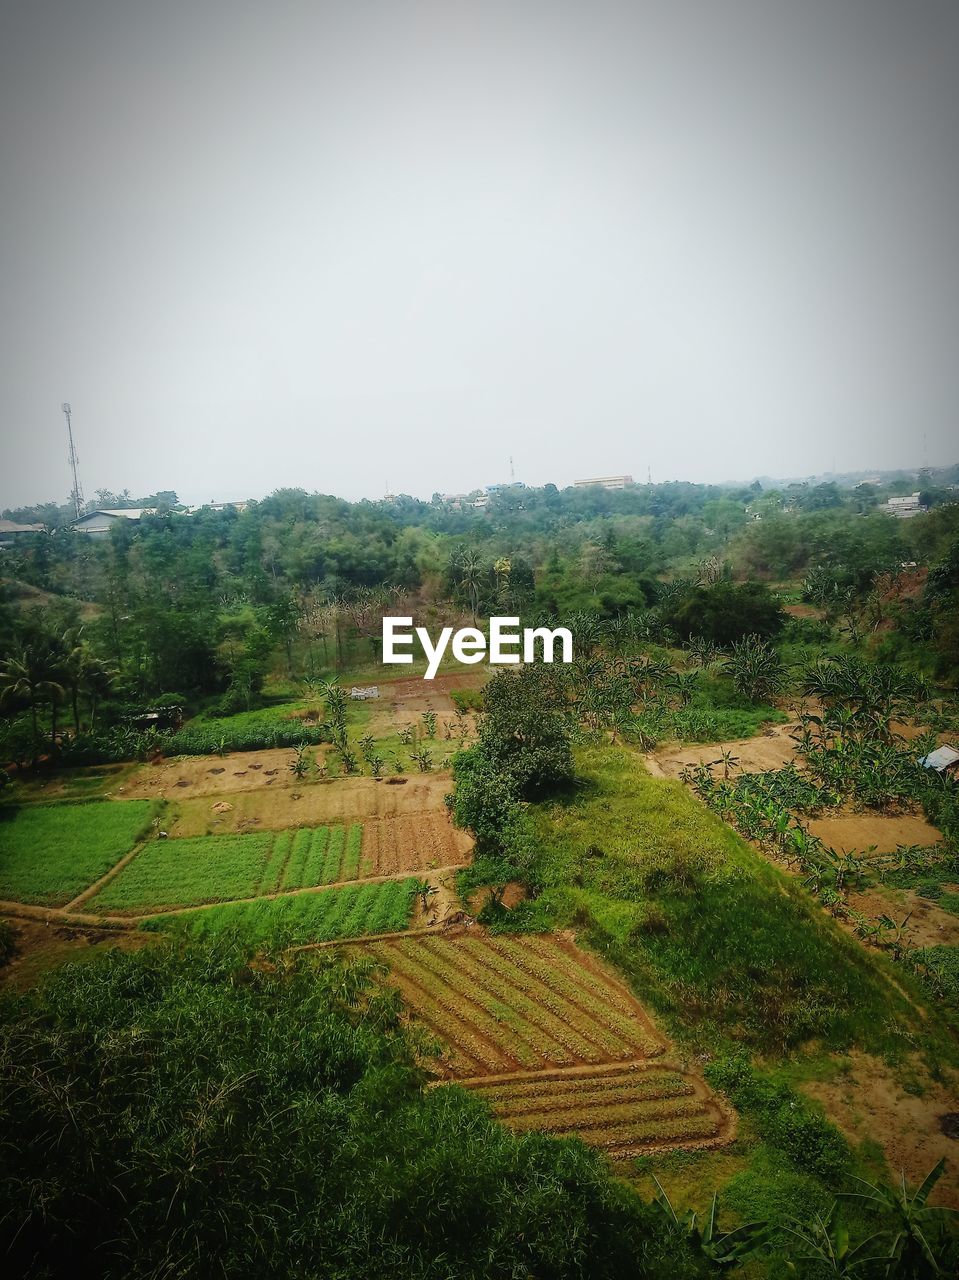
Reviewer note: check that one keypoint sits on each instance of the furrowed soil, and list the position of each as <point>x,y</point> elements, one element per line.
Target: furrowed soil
<point>551,1039</point>
<point>412,843</point>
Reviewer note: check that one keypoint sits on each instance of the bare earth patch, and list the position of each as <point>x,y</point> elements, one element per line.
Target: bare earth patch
<point>929,925</point>
<point>855,833</point>
<point>869,1102</point>
<point>772,750</point>
<point>403,702</point>
<point>310,804</point>
<point>212,775</point>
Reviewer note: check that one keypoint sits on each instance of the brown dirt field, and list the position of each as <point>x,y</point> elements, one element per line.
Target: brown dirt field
<point>929,925</point>
<point>412,843</point>
<point>803,611</point>
<point>771,750</point>
<point>316,803</point>
<point>850,833</point>
<point>869,1102</point>
<point>213,775</point>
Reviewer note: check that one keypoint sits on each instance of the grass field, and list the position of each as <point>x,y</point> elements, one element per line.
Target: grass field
<point>182,873</point>
<point>719,941</point>
<point>50,853</point>
<point>349,912</point>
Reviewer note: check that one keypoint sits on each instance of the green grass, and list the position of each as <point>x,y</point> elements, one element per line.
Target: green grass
<point>352,911</point>
<point>172,873</point>
<point>189,872</point>
<point>50,853</point>
<point>723,944</point>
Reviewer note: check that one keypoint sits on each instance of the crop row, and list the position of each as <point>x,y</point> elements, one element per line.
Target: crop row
<point>563,1034</point>
<point>472,1030</point>
<point>621,1113</point>
<point>538,1094</point>
<point>199,869</point>
<point>565,989</point>
<point>352,911</point>
<point>501,1005</point>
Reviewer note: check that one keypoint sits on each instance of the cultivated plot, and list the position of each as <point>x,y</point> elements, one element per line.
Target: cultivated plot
<point>624,1109</point>
<point>551,1040</point>
<point>190,872</point>
<point>312,804</point>
<point>353,911</point>
<point>517,1003</point>
<point>51,853</point>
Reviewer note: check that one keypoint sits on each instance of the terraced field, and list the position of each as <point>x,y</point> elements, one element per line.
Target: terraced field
<point>190,872</point>
<point>410,843</point>
<point>517,1003</point>
<point>624,1109</point>
<point>551,1040</point>
<point>50,853</point>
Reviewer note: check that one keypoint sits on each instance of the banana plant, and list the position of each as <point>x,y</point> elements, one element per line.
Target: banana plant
<point>916,1229</point>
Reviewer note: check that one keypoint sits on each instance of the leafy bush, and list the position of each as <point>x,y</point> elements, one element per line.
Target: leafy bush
<point>783,1118</point>
<point>724,613</point>
<point>467,699</point>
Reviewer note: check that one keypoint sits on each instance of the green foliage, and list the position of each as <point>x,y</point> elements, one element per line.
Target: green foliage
<point>299,918</point>
<point>50,853</point>
<point>7,942</point>
<point>192,871</point>
<point>467,699</point>
<point>783,1118</point>
<point>173,1105</point>
<point>721,942</point>
<point>724,613</point>
<point>523,733</point>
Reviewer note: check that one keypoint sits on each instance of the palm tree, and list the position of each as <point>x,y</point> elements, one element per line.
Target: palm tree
<point>32,676</point>
<point>916,1228</point>
<point>470,574</point>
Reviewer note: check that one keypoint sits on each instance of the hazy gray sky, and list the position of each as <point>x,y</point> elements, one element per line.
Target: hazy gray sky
<point>344,245</point>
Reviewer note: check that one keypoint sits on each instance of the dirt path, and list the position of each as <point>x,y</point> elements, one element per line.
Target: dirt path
<point>97,885</point>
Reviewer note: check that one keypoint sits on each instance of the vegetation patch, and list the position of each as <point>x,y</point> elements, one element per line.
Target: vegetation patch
<point>720,941</point>
<point>509,1004</point>
<point>300,918</point>
<point>178,873</point>
<point>50,853</point>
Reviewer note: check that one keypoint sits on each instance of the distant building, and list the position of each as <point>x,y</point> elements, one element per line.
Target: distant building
<point>904,507</point>
<point>99,523</point>
<point>604,482</point>
<point>11,532</point>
